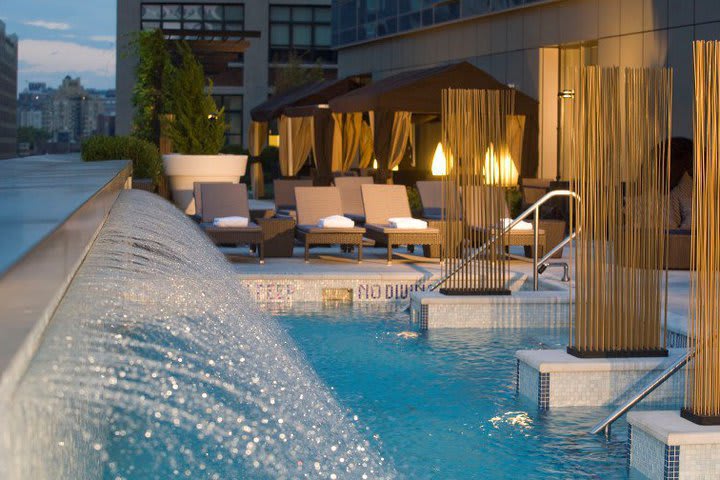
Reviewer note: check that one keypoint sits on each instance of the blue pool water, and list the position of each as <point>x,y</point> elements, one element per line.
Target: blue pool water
<point>444,404</point>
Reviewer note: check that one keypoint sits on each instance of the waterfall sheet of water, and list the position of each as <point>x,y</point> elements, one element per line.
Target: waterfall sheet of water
<point>157,364</point>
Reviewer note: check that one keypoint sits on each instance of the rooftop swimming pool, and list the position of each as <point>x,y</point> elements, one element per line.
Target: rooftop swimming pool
<point>443,404</point>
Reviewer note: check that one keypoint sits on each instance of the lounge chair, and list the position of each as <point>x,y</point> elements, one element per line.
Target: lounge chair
<point>284,192</point>
<point>229,200</point>
<point>473,196</point>
<point>197,195</point>
<point>314,204</point>
<point>382,202</point>
<point>351,196</point>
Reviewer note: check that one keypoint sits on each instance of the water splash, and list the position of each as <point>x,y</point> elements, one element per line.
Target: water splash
<point>157,364</point>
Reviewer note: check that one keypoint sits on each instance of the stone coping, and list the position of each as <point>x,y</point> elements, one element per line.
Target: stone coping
<point>559,361</point>
<point>305,276</point>
<point>670,428</point>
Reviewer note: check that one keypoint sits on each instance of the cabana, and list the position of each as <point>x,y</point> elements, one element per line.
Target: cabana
<point>296,137</point>
<point>392,102</point>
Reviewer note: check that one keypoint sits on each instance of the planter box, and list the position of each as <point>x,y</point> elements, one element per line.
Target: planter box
<point>184,170</point>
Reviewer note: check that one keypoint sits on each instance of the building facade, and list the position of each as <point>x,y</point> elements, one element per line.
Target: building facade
<point>8,93</point>
<point>533,45</point>
<point>274,30</point>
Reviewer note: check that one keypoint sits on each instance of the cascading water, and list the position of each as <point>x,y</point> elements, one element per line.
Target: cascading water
<point>157,364</point>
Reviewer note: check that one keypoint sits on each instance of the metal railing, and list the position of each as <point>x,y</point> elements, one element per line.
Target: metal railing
<point>534,210</point>
<point>606,424</point>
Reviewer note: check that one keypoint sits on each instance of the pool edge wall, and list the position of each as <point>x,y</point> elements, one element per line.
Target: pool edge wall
<point>34,282</point>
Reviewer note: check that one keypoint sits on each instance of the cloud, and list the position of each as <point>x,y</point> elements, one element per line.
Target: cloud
<point>63,58</point>
<point>103,38</point>
<point>48,25</point>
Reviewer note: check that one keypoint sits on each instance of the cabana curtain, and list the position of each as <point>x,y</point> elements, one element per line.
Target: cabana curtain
<point>391,132</point>
<point>515,133</point>
<point>257,137</point>
<point>295,143</point>
<point>346,140</point>
<point>366,145</point>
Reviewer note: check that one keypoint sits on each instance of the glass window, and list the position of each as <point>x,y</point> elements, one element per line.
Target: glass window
<point>322,14</point>
<point>302,14</point>
<point>234,13</point>
<point>302,35</point>
<point>171,12</point>
<point>213,12</point>
<point>280,14</point>
<point>280,35</point>
<point>150,12</point>
<point>192,12</point>
<point>322,36</point>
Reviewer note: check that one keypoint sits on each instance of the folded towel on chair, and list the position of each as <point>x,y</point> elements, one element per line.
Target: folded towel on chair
<point>236,222</point>
<point>520,226</point>
<point>335,221</point>
<point>407,223</point>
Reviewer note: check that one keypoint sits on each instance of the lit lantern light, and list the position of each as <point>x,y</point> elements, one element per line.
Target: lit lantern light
<point>439,163</point>
<point>499,168</point>
<point>274,140</point>
<point>375,166</point>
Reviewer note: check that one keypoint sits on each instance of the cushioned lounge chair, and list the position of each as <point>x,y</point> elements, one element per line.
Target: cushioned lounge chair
<point>197,195</point>
<point>351,196</point>
<point>382,202</point>
<point>431,198</point>
<point>315,203</point>
<point>473,196</point>
<point>229,200</point>
<point>284,192</point>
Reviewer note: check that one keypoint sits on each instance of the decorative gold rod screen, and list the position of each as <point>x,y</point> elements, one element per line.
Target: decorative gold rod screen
<point>620,168</point>
<point>702,386</point>
<point>474,139</point>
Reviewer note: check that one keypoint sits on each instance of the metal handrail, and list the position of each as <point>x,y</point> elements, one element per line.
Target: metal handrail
<point>534,210</point>
<point>605,424</point>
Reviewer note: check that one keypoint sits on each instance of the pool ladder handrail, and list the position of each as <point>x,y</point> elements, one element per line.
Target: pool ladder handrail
<point>534,210</point>
<point>607,422</point>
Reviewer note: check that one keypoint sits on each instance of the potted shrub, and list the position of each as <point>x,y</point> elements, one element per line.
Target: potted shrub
<point>147,165</point>
<point>196,129</point>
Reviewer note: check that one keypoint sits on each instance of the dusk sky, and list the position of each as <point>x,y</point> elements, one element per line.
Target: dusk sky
<point>63,37</point>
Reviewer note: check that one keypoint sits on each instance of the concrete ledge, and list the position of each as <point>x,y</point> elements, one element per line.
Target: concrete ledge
<point>547,307</point>
<point>53,206</point>
<point>665,446</point>
<point>556,379</point>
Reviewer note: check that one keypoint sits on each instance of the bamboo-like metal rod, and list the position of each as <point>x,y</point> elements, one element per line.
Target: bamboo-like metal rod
<point>702,386</point>
<point>474,138</point>
<point>620,168</point>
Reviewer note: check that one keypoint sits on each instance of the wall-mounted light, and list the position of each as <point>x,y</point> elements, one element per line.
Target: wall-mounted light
<point>274,140</point>
<point>439,163</point>
<point>566,93</point>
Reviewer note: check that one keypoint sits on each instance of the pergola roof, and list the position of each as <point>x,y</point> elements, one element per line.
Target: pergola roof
<point>310,94</point>
<point>419,91</point>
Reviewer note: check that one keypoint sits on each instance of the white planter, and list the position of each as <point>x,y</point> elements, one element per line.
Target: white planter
<point>184,170</point>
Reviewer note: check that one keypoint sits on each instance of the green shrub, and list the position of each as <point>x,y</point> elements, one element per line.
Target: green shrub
<point>414,199</point>
<point>145,156</point>
<point>196,126</point>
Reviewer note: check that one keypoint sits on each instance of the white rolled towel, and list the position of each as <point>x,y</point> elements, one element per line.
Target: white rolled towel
<point>407,223</point>
<point>236,222</point>
<point>520,226</point>
<point>335,221</point>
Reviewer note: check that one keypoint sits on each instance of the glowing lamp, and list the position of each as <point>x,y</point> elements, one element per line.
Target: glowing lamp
<point>274,140</point>
<point>439,163</point>
<point>499,168</point>
<point>375,163</point>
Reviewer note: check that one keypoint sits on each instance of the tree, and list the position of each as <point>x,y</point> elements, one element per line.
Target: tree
<point>149,97</point>
<point>195,126</point>
<point>295,74</point>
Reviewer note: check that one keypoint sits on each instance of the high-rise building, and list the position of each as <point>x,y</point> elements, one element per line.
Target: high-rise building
<point>242,77</point>
<point>534,45</point>
<point>8,93</point>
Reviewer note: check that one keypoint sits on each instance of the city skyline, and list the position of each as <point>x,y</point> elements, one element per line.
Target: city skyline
<point>57,39</point>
